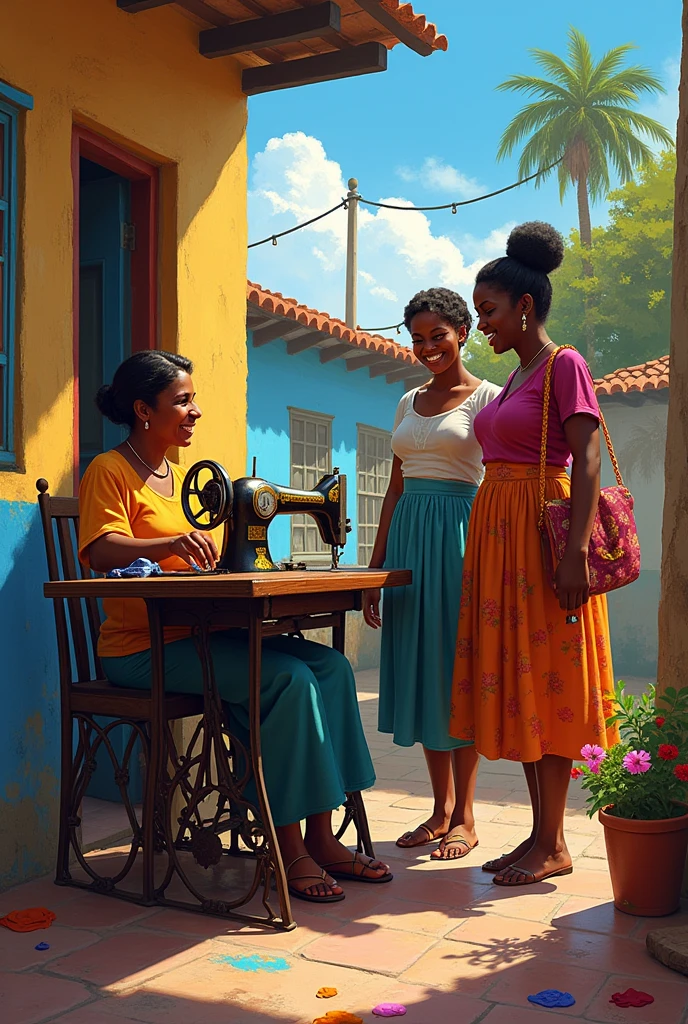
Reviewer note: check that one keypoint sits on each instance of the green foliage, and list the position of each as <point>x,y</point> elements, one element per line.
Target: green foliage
<point>657,725</point>
<point>581,116</point>
<point>479,359</point>
<point>625,305</point>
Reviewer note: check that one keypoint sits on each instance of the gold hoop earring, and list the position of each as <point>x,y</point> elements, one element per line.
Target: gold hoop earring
<point>524,324</point>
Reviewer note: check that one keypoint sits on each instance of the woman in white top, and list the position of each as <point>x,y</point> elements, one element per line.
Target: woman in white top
<point>435,474</point>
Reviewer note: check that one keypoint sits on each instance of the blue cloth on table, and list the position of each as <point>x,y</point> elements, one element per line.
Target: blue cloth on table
<point>139,568</point>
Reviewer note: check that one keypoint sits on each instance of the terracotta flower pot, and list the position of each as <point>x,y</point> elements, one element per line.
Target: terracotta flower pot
<point>646,863</point>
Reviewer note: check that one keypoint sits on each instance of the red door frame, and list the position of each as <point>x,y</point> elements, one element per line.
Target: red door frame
<point>144,258</point>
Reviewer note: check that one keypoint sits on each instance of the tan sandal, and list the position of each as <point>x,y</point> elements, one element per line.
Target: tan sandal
<point>321,878</point>
<point>355,876</point>
<point>432,837</point>
<point>456,840</point>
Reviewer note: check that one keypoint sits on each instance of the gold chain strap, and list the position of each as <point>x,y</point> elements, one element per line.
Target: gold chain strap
<point>546,391</point>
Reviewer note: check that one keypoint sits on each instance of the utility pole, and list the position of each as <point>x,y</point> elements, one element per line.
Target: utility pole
<point>352,198</point>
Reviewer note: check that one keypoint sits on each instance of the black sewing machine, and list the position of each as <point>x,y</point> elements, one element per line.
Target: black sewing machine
<point>248,506</point>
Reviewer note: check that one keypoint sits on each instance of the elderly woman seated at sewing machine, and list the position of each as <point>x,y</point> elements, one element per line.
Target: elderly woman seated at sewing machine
<point>314,750</point>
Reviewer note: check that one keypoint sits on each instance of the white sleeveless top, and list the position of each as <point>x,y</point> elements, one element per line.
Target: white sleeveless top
<point>441,447</point>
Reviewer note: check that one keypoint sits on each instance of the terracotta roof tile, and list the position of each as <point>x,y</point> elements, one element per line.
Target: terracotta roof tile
<point>275,302</point>
<point>416,23</point>
<point>651,376</point>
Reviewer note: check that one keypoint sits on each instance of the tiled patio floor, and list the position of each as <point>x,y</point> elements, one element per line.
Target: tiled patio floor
<point>441,939</point>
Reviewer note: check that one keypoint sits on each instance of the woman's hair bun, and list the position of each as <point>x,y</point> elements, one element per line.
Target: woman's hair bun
<point>536,245</point>
<point>105,401</point>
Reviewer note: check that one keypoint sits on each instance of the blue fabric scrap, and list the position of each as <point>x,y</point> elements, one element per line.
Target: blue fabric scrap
<point>139,568</point>
<point>42,946</point>
<point>552,997</point>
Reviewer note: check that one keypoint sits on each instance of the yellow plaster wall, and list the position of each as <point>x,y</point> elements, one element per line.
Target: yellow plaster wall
<point>139,80</point>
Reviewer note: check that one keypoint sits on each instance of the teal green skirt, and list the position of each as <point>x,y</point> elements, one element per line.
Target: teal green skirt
<point>314,749</point>
<point>419,622</point>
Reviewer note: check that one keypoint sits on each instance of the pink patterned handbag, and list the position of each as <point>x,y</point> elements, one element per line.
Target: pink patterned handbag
<point>614,551</point>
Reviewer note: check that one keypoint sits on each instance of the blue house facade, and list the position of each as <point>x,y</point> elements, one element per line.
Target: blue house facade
<point>322,396</point>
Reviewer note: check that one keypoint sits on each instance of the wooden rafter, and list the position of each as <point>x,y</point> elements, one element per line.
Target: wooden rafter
<point>375,9</point>
<point>274,30</point>
<point>326,67</point>
<point>282,329</point>
<point>134,6</point>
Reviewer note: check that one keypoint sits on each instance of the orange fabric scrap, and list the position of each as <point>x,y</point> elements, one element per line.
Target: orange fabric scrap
<point>338,1017</point>
<point>28,920</point>
<point>326,993</point>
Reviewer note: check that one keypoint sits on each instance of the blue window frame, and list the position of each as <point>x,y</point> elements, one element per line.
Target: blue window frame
<point>11,102</point>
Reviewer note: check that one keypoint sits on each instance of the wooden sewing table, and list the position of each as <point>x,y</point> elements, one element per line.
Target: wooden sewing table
<point>265,604</point>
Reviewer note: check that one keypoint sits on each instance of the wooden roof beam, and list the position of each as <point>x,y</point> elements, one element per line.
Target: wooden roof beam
<point>324,67</point>
<point>402,374</point>
<point>312,339</point>
<point>272,332</point>
<point>335,351</point>
<point>376,11</point>
<point>381,369</point>
<point>369,359</point>
<point>272,30</point>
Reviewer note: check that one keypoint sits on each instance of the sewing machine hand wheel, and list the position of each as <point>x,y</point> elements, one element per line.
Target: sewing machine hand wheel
<point>215,496</point>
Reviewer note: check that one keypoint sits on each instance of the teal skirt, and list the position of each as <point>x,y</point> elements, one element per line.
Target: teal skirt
<point>314,749</point>
<point>419,622</point>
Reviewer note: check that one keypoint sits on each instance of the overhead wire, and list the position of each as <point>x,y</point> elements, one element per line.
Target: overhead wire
<point>391,206</point>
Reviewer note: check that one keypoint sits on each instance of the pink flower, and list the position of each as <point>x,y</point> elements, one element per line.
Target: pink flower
<point>592,752</point>
<point>593,755</point>
<point>637,761</point>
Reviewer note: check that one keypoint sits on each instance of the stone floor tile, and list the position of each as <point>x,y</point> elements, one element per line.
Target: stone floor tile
<point>125,959</point>
<point>96,911</point>
<point>518,1015</point>
<point>40,892</point>
<point>410,916</point>
<point>523,903</point>
<point>521,980</point>
<point>409,817</point>
<point>515,816</point>
<point>29,999</point>
<point>369,947</point>
<point>415,803</point>
<point>18,949</point>
<point>158,1008</point>
<point>457,967</point>
<point>668,1008</point>
<point>649,924</point>
<point>593,916</point>
<point>597,848</point>
<point>583,882</point>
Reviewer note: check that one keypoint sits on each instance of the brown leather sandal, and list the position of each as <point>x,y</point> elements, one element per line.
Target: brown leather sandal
<point>353,875</point>
<point>456,840</point>
<point>431,838</point>
<point>321,878</point>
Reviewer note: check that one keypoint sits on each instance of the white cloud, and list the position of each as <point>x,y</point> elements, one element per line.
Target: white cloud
<point>292,180</point>
<point>665,108</point>
<point>440,177</point>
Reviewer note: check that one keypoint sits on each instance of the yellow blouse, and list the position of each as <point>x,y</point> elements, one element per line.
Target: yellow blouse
<point>114,499</point>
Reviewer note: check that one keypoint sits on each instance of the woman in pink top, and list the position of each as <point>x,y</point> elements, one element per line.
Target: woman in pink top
<point>532,677</point>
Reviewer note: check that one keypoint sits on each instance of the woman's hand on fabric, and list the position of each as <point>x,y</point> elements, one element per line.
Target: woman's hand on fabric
<point>572,581</point>
<point>195,548</point>
<point>371,607</point>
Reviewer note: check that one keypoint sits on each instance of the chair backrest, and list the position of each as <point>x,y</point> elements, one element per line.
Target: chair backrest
<point>77,619</point>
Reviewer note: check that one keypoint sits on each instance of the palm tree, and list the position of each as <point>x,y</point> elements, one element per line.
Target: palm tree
<point>582,121</point>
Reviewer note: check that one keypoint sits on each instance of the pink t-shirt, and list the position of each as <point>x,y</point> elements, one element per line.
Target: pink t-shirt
<point>509,428</point>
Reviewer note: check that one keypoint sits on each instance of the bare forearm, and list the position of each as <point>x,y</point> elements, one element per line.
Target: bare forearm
<point>115,551</point>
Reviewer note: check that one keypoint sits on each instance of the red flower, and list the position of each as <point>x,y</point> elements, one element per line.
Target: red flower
<point>576,773</point>
<point>681,772</point>
<point>668,752</point>
<point>659,721</point>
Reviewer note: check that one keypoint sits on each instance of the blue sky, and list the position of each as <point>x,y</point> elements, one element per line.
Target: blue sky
<point>426,131</point>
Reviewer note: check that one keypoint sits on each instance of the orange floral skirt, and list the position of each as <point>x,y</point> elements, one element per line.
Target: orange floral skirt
<point>525,683</point>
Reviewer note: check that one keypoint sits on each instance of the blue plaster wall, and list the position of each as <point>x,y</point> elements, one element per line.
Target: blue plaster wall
<point>30,733</point>
<point>275,382</point>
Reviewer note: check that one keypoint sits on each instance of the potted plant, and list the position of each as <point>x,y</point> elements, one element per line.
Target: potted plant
<point>638,787</point>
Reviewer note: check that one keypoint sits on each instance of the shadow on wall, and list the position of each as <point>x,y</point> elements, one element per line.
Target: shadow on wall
<point>29,752</point>
<point>633,626</point>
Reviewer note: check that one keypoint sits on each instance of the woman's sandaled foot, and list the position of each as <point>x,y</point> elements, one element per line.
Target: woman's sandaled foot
<point>421,836</point>
<point>322,888</point>
<point>530,872</point>
<point>456,844</point>
<point>508,859</point>
<point>356,867</point>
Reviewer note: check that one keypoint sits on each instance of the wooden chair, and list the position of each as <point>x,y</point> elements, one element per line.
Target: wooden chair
<point>86,695</point>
